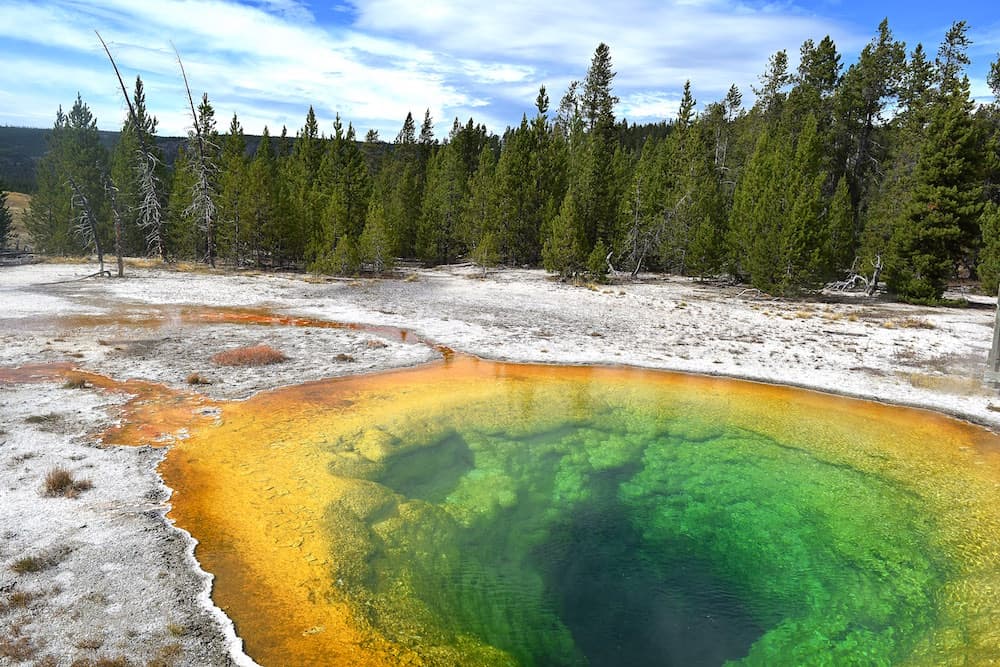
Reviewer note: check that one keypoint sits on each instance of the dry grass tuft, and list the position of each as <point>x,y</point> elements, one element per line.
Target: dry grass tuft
<point>197,378</point>
<point>19,600</point>
<point>193,267</point>
<point>30,564</point>
<point>257,355</point>
<point>412,278</point>
<point>908,323</point>
<point>92,643</point>
<point>803,314</point>
<point>59,482</point>
<point>144,262</point>
<point>167,656</point>
<point>47,418</point>
<point>103,661</point>
<point>176,629</point>
<point>949,384</point>
<point>916,323</point>
<point>18,650</point>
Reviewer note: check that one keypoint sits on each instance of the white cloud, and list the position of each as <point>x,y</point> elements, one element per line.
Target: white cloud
<point>649,107</point>
<point>270,59</point>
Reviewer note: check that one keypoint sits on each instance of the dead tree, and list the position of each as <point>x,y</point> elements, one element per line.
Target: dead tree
<point>85,223</point>
<point>146,163</point>
<point>876,273</point>
<point>856,278</point>
<point>202,206</point>
<point>116,214</point>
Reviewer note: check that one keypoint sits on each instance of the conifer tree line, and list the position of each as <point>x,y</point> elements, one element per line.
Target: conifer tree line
<point>881,171</point>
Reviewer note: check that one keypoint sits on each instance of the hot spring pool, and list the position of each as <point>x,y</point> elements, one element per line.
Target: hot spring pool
<point>480,513</point>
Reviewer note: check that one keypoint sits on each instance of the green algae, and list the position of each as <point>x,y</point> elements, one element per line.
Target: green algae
<point>818,561</point>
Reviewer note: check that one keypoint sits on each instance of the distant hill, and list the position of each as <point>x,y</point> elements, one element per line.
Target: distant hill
<point>22,147</point>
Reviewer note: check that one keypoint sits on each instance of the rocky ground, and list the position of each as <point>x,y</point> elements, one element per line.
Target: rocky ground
<point>105,576</point>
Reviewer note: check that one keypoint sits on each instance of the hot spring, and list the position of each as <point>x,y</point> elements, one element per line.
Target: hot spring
<point>479,513</point>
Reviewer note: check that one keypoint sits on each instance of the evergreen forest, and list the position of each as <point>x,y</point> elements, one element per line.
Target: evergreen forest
<point>884,171</point>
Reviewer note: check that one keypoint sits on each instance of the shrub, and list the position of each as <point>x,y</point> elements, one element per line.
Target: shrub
<point>30,564</point>
<point>42,419</point>
<point>197,378</point>
<point>60,482</point>
<point>16,649</point>
<point>19,600</point>
<point>256,355</point>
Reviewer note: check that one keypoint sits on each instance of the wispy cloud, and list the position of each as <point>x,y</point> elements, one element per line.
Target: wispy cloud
<point>374,60</point>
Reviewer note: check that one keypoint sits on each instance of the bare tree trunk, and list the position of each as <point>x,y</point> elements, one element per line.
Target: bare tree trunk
<point>152,221</point>
<point>993,361</point>
<point>113,193</point>
<point>202,201</point>
<point>877,266</point>
<point>86,224</point>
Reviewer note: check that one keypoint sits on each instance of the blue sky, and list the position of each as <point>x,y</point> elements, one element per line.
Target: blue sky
<point>374,60</point>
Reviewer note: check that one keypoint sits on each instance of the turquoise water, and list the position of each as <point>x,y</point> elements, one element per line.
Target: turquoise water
<point>631,538</point>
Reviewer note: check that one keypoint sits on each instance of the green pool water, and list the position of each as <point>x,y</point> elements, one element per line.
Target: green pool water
<point>631,539</point>
<point>487,514</point>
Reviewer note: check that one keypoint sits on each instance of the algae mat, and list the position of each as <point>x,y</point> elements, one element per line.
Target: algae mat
<point>478,513</point>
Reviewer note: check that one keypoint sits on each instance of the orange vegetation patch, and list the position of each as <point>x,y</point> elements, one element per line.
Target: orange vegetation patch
<point>256,355</point>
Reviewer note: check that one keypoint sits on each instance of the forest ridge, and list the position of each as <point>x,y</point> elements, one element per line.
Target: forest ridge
<point>883,170</point>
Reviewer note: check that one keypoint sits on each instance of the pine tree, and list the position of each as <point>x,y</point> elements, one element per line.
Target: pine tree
<point>839,236</point>
<point>598,101</point>
<point>867,88</point>
<point>771,94</point>
<point>597,188</point>
<point>182,228</point>
<point>342,191</point>
<point>518,200</point>
<point>800,237</point>
<point>642,215</point>
<point>404,189</point>
<point>265,239</point>
<point>300,171</point>
<point>439,234</point>
<point>563,251</point>
<point>479,222</point>
<point>233,234</point>
<point>989,258</point>
<point>597,262</point>
<point>204,166</point>
<point>758,213</point>
<point>74,155</point>
<point>888,197</point>
<point>943,217</point>
<point>137,171</point>
<point>707,213</point>
<point>376,244</point>
<point>408,133</point>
